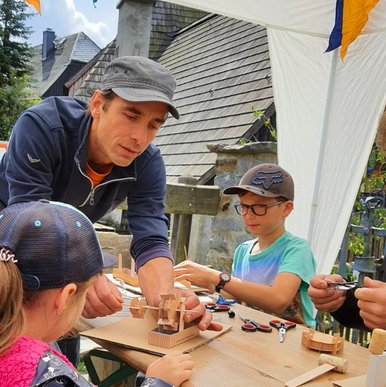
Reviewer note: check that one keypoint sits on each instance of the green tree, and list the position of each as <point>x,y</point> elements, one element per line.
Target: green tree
<point>15,53</point>
<point>15,56</point>
<point>14,99</point>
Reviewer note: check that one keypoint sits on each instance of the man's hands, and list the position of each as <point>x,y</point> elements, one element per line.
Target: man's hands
<point>174,368</point>
<point>372,303</point>
<point>156,277</point>
<point>194,310</point>
<point>198,275</point>
<point>326,298</point>
<point>103,299</point>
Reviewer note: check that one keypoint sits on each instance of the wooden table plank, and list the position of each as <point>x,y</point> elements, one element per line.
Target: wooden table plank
<point>239,358</point>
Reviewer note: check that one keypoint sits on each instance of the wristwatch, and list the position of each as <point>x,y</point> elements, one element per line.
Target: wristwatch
<point>224,278</point>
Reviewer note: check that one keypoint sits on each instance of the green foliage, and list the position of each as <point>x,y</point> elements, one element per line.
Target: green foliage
<point>356,243</point>
<point>14,50</point>
<point>244,141</point>
<point>265,120</point>
<point>15,55</point>
<point>14,99</point>
<point>375,178</point>
<point>373,183</point>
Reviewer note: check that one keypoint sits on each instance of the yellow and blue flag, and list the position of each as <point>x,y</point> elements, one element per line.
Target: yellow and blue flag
<point>350,18</point>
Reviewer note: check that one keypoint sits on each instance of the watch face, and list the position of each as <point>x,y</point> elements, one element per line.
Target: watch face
<point>225,277</point>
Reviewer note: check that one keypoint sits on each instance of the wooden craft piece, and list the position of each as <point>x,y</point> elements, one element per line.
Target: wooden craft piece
<point>171,329</point>
<point>128,276</point>
<point>132,333</point>
<point>323,342</point>
<point>326,363</point>
<point>137,307</point>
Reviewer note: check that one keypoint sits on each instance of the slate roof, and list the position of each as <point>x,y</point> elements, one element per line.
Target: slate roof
<point>94,78</point>
<point>75,50</point>
<point>222,69</point>
<point>167,20</point>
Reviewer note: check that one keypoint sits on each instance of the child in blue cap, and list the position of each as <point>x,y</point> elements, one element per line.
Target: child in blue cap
<point>49,258</point>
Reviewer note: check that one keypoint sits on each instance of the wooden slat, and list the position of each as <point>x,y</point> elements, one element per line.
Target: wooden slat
<point>192,199</point>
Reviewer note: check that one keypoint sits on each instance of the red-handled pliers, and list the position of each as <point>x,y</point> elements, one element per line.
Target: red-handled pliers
<point>213,307</point>
<point>253,326</point>
<point>282,327</point>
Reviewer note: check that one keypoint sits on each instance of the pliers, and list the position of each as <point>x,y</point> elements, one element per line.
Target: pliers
<point>282,327</point>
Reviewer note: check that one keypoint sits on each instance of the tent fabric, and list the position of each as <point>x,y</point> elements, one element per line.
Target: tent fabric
<point>328,110</point>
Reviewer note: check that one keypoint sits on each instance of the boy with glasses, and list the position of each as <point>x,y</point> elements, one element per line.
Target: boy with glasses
<point>271,272</point>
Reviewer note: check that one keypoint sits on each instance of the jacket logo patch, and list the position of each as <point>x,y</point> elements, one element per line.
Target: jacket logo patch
<point>31,159</point>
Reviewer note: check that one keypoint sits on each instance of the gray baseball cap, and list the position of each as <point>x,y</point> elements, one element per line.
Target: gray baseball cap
<point>139,79</point>
<point>266,179</point>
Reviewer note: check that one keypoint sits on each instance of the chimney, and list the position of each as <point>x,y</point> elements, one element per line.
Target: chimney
<point>48,43</point>
<point>134,27</point>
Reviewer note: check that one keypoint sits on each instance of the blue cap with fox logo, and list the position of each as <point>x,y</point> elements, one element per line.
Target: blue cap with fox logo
<point>267,180</point>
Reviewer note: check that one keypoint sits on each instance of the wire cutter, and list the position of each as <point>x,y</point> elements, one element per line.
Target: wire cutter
<point>253,326</point>
<point>282,327</point>
<point>343,285</point>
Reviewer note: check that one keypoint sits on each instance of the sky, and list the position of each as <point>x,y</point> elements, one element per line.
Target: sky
<point>66,17</point>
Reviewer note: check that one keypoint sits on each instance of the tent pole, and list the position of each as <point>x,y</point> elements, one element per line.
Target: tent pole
<point>323,136</point>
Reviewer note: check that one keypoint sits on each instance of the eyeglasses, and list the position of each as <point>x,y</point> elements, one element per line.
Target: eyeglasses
<point>257,209</point>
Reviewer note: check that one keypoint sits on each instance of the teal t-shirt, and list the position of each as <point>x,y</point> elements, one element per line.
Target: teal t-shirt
<point>289,254</point>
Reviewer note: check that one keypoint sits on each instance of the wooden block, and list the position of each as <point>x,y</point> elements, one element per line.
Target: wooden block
<point>126,276</point>
<point>169,339</point>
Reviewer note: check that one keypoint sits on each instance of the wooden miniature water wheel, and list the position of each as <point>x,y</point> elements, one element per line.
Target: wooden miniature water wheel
<point>169,311</point>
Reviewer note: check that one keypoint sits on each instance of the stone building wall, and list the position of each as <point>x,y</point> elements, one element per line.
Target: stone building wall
<point>227,228</point>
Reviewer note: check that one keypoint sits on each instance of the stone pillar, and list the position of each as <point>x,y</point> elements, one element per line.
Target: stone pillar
<point>227,228</point>
<point>134,27</point>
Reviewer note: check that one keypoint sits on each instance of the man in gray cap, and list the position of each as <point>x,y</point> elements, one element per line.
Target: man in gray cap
<point>95,157</point>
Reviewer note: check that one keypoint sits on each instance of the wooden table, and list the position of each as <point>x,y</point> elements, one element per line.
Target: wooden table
<point>240,358</point>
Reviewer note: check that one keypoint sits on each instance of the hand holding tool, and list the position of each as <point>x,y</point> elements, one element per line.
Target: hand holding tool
<point>326,363</point>
<point>253,326</point>
<point>282,327</point>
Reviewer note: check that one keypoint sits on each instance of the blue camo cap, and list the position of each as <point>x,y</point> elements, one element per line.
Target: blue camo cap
<point>52,243</point>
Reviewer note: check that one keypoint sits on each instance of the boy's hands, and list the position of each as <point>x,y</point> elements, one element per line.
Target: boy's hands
<point>198,275</point>
<point>326,298</point>
<point>174,368</point>
<point>372,303</point>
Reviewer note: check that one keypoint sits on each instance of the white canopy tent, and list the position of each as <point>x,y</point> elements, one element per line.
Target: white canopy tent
<point>328,110</point>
